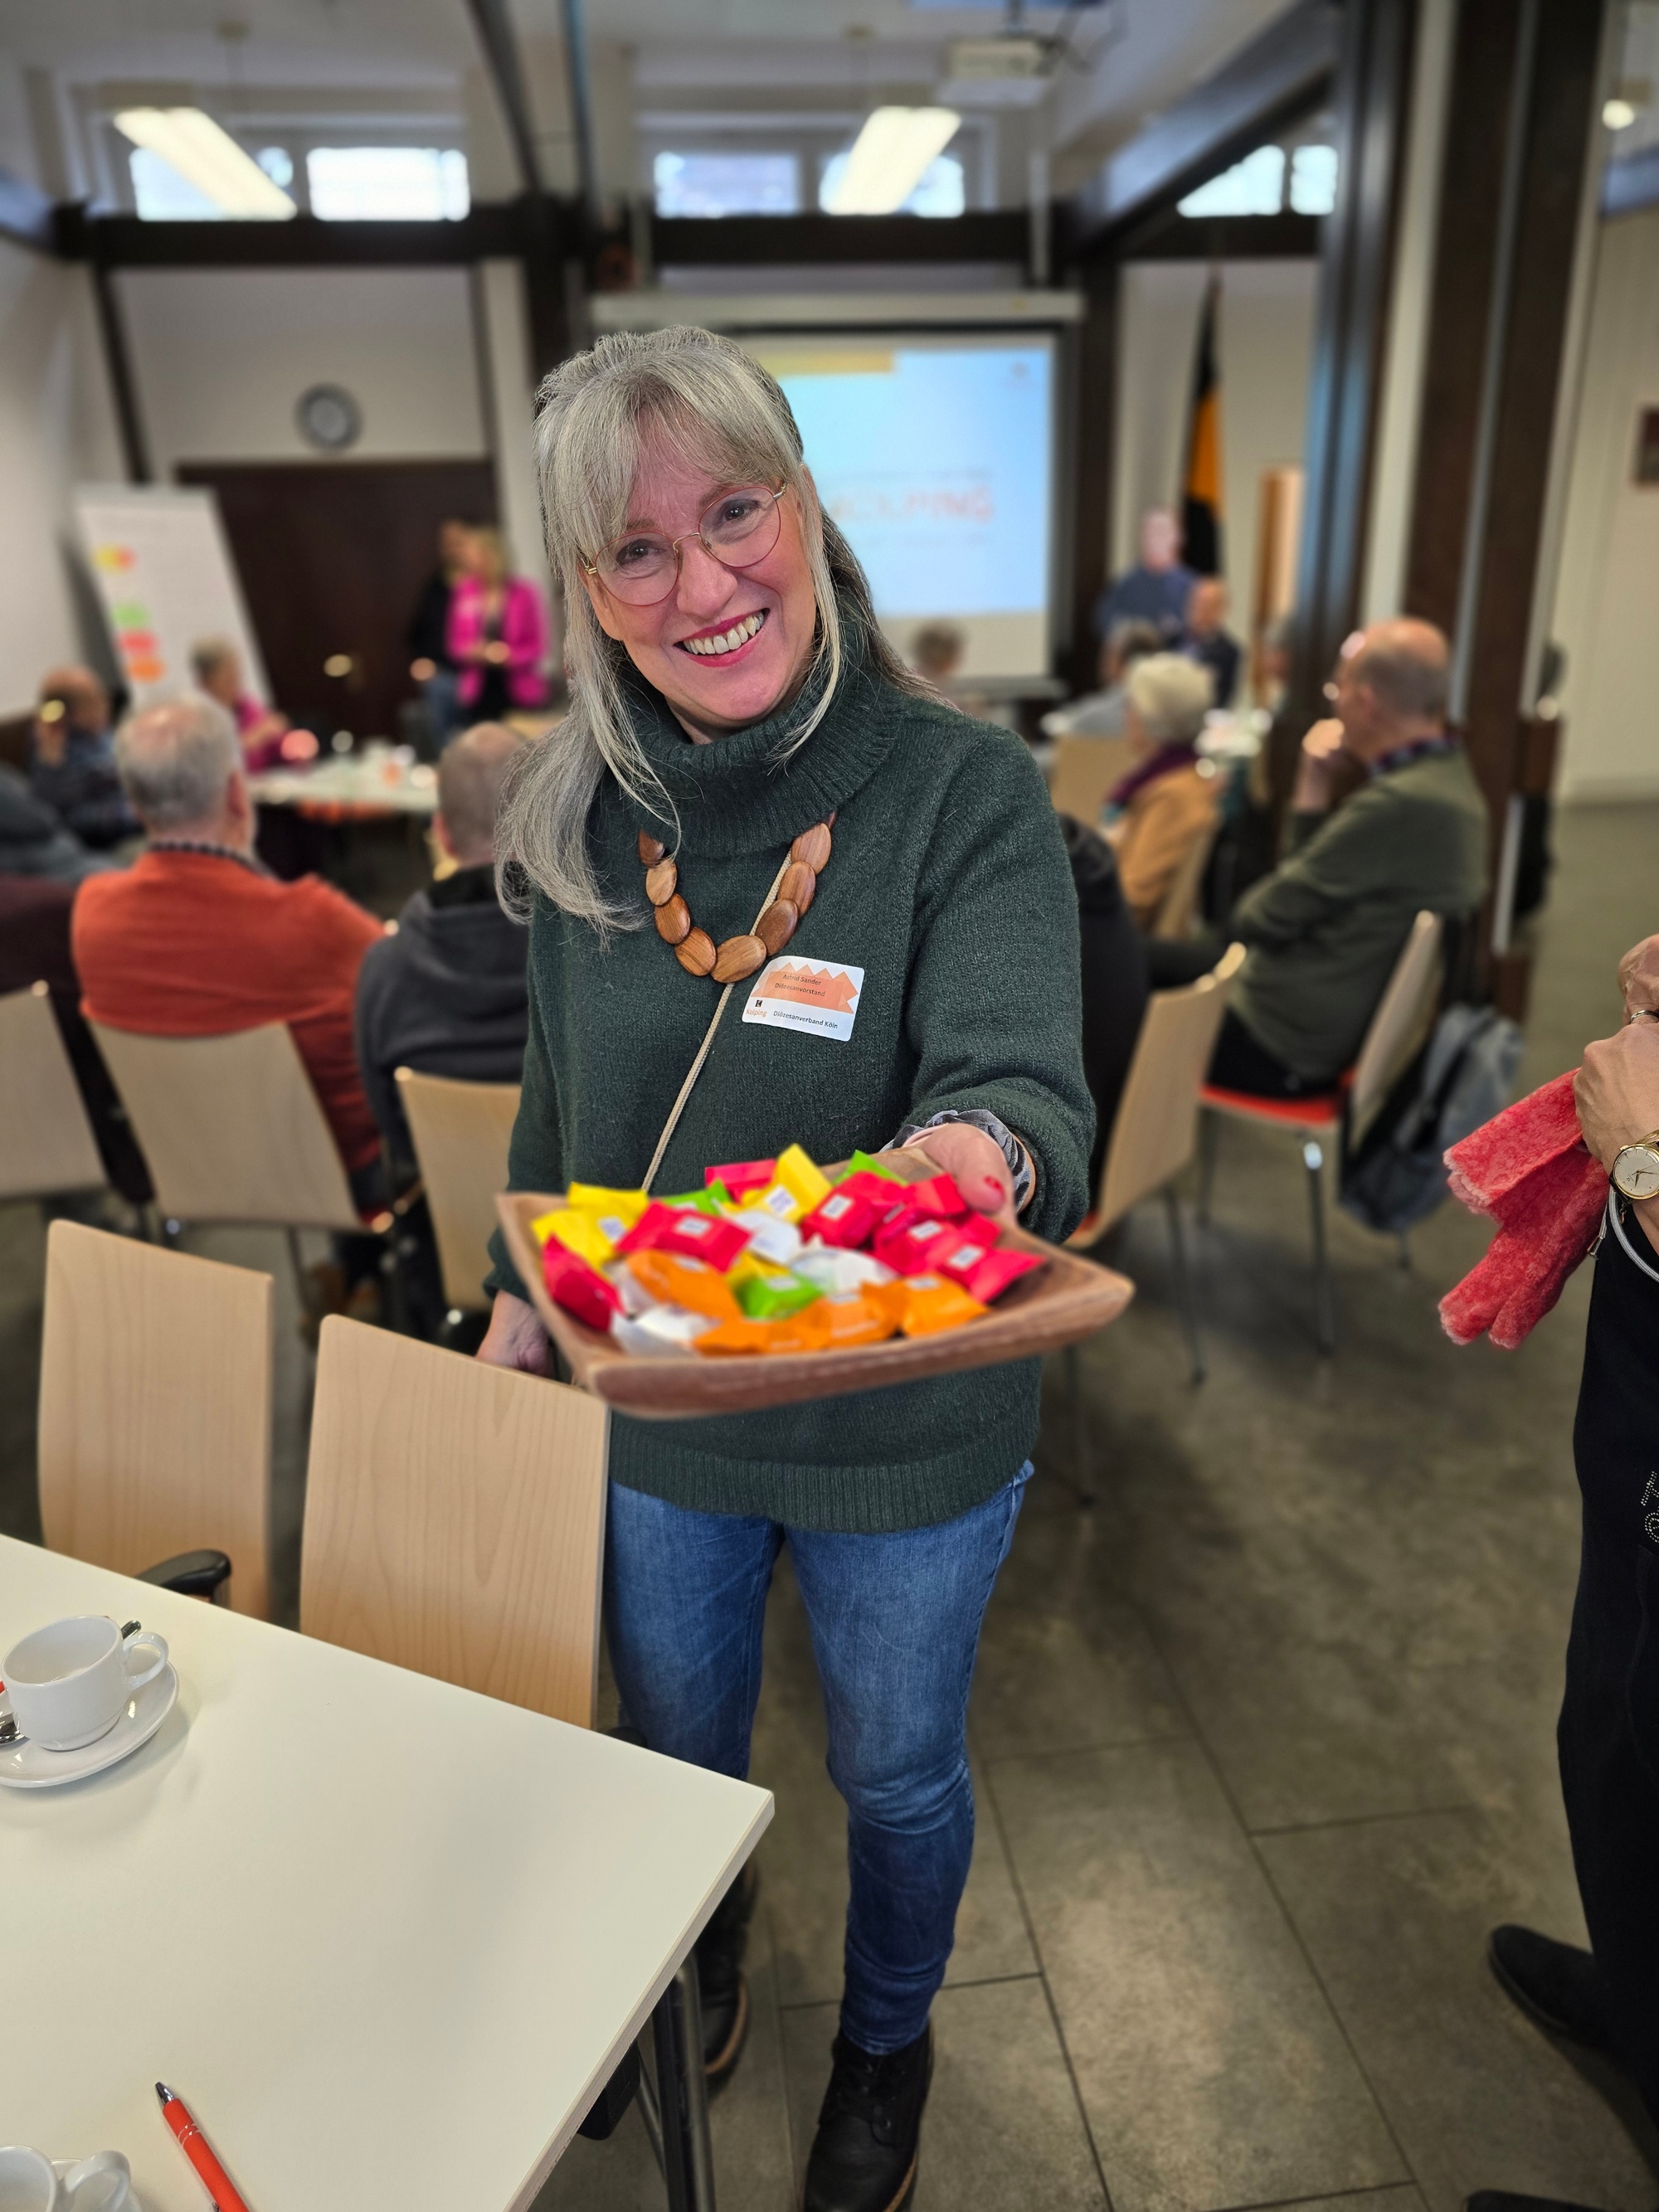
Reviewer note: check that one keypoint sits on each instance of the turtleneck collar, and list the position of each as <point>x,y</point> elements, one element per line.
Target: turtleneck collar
<point>735,794</point>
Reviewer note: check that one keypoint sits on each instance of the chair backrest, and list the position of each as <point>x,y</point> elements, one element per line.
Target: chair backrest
<point>1176,915</point>
<point>155,1435</point>
<point>1083,771</point>
<point>455,1519</point>
<point>1404,1015</point>
<point>460,1132</point>
<point>46,1143</point>
<point>231,1128</point>
<point>1157,1124</point>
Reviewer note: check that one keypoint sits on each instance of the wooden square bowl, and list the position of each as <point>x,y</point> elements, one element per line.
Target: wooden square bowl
<point>1061,1302</point>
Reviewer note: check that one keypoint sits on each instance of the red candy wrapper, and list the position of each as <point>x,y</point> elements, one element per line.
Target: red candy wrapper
<point>937,1198</point>
<point>911,1246</point>
<point>990,1276</point>
<point>579,1289</point>
<point>693,1235</point>
<point>842,1218</point>
<point>880,1190</point>
<point>968,1242</point>
<point>743,1176</point>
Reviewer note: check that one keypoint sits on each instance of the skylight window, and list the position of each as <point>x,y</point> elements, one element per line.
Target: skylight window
<point>717,184</point>
<point>387,183</point>
<point>942,190</point>
<point>161,195</point>
<point>1255,185</point>
<point>1313,179</point>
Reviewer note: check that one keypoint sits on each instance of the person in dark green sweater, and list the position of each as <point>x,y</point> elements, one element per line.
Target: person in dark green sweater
<point>731,691</point>
<point>1325,929</point>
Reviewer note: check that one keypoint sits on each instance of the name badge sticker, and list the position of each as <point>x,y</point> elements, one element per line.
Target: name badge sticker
<point>818,996</point>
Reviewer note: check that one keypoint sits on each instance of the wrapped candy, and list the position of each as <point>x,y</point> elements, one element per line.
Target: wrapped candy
<point>924,1304</point>
<point>841,1218</point>
<point>695,1236</point>
<point>743,1177</point>
<point>579,1289</point>
<point>677,1281</point>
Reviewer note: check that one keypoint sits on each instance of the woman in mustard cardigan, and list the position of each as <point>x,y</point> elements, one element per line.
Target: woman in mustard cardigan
<point>1167,800</point>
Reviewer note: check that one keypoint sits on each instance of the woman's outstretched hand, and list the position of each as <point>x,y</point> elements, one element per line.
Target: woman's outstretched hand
<point>974,1163</point>
<point>515,1337</point>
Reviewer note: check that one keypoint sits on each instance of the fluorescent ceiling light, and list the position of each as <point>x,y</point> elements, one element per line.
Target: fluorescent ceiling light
<point>204,156</point>
<point>1619,114</point>
<point>889,157</point>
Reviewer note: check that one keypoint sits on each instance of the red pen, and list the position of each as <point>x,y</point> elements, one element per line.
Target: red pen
<point>196,2148</point>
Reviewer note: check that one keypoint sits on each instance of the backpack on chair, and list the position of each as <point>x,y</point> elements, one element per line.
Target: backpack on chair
<point>1397,1176</point>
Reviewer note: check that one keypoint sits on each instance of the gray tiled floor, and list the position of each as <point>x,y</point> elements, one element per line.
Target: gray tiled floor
<point>1263,1738</point>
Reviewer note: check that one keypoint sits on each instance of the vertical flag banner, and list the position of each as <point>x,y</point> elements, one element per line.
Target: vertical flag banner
<point>1200,497</point>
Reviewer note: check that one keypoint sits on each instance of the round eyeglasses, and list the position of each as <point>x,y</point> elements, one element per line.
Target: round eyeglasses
<point>741,527</point>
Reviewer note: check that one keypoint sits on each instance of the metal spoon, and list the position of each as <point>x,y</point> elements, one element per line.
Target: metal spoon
<point>8,1731</point>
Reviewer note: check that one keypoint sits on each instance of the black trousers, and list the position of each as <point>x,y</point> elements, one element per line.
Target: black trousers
<point>1609,1737</point>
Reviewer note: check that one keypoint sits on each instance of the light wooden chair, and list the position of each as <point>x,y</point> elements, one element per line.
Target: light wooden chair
<point>1180,907</point>
<point>460,1132</point>
<point>154,1429</point>
<point>231,1128</point>
<point>46,1144</point>
<point>1337,1118</point>
<point>1083,771</point>
<point>455,1519</point>
<point>1156,1128</point>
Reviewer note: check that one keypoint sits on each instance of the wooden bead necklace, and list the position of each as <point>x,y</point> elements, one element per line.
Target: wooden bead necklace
<point>737,957</point>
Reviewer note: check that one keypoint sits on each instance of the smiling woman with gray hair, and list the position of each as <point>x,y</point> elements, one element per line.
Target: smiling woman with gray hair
<point>738,721</point>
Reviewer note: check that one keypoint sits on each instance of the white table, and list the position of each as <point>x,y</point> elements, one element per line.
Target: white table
<point>387,1938</point>
<point>355,784</point>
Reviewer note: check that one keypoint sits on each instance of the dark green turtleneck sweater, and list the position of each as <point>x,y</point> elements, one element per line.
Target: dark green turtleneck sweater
<point>950,887</point>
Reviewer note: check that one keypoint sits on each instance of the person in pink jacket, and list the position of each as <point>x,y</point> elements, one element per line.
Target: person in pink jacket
<point>497,635</point>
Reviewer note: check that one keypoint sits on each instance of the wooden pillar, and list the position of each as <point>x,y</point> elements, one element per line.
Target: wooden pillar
<point>1094,418</point>
<point>1519,135</point>
<point>1357,256</point>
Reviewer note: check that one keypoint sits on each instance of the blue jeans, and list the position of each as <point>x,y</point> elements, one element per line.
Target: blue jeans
<point>895,1624</point>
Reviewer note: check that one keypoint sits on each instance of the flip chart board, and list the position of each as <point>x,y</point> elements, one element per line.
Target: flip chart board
<point>162,566</point>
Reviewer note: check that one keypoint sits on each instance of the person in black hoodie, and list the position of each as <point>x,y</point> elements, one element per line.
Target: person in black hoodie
<point>1114,979</point>
<point>446,995</point>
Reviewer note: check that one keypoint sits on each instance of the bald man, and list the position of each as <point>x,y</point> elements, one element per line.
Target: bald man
<point>1325,929</point>
<point>448,995</point>
<point>72,759</point>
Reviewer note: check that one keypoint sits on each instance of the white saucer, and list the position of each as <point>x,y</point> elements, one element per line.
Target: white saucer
<point>26,1766</point>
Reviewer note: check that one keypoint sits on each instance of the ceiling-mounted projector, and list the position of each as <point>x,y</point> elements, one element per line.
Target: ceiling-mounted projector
<point>1007,72</point>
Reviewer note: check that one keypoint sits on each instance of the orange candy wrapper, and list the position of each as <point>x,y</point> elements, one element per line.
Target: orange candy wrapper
<point>673,1281</point>
<point>923,1305</point>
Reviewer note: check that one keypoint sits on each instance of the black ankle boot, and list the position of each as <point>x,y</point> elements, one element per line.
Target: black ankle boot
<point>864,2155</point>
<point>1557,1984</point>
<point>721,1987</point>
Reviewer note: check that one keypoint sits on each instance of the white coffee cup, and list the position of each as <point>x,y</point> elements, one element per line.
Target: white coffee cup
<point>30,2183</point>
<point>69,1682</point>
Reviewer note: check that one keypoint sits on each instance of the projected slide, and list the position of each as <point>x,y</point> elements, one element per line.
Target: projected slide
<point>935,459</point>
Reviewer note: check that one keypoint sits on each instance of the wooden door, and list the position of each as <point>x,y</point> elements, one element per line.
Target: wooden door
<point>332,555</point>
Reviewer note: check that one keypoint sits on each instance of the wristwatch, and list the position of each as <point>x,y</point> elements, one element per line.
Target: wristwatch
<point>1636,1171</point>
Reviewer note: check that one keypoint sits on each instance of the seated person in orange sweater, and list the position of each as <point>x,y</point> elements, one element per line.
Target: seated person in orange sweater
<point>197,939</point>
<point>1156,813</point>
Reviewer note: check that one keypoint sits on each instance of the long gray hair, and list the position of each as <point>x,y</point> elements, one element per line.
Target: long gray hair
<point>716,405</point>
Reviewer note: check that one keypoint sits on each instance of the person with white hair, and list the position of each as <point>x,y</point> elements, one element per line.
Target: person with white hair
<point>196,938</point>
<point>1156,813</point>
<point>748,766</point>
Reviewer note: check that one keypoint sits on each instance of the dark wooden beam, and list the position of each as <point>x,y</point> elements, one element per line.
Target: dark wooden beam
<point>491,231</point>
<point>1094,417</point>
<point>1171,237</point>
<point>27,218</point>
<point>1281,76</point>
<point>124,386</point>
<point>501,53</point>
<point>1523,91</point>
<point>781,239</point>
<point>1373,96</point>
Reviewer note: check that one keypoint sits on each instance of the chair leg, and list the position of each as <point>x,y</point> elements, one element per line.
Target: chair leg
<point>1186,1303</point>
<point>1313,1158</point>
<point>1080,1474</point>
<point>1209,1126</point>
<point>683,2095</point>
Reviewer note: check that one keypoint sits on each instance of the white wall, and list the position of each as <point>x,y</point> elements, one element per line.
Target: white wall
<point>1265,347</point>
<point>1607,602</point>
<point>57,429</point>
<point>221,355</point>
